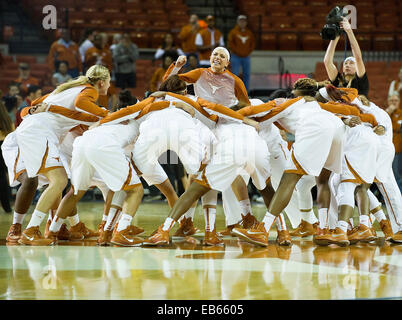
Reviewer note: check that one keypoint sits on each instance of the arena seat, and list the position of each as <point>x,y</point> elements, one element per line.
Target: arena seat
<point>157,39</point>
<point>288,41</point>
<point>364,41</point>
<point>28,59</point>
<point>383,42</point>
<point>161,25</point>
<point>132,9</point>
<point>10,73</point>
<point>312,41</point>
<point>393,69</point>
<point>140,38</point>
<point>281,24</point>
<point>268,41</point>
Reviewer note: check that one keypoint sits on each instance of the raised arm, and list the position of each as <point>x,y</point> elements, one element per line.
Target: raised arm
<point>129,112</point>
<point>332,71</point>
<point>357,54</point>
<point>86,102</point>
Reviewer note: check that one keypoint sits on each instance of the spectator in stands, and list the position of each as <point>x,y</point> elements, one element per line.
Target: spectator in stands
<point>86,43</point>
<point>10,102</point>
<point>116,40</point>
<point>168,47</point>
<point>13,88</point>
<point>25,79</point>
<point>34,92</point>
<point>61,75</point>
<point>396,85</point>
<point>354,72</point>
<point>65,49</point>
<point>20,100</point>
<point>395,112</point>
<point>99,54</point>
<point>241,43</point>
<point>105,40</point>
<point>126,99</point>
<point>157,77</point>
<point>125,56</point>
<point>207,40</point>
<point>187,35</point>
<point>192,63</point>
<point>6,126</point>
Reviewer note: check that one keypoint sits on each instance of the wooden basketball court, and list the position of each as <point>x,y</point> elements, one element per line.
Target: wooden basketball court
<point>191,271</point>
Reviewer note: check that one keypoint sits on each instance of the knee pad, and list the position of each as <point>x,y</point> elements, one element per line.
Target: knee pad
<point>118,198</point>
<point>346,194</point>
<point>374,203</point>
<point>304,196</point>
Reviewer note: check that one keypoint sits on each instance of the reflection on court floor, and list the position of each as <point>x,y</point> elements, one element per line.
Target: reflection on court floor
<point>184,270</point>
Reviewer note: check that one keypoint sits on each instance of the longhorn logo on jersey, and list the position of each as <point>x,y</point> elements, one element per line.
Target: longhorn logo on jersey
<point>243,39</point>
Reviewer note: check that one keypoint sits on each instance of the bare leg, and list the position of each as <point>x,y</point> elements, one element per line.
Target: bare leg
<point>69,203</point>
<point>133,200</point>
<point>57,182</point>
<point>168,191</point>
<point>193,193</point>
<point>283,194</point>
<point>239,188</point>
<point>363,199</point>
<point>25,193</point>
<point>267,194</point>
<point>323,191</point>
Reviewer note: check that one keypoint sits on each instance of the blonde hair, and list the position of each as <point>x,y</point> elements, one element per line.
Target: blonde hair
<point>363,99</point>
<point>93,75</point>
<point>305,87</point>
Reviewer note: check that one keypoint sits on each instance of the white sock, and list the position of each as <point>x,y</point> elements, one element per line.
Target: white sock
<point>74,220</point>
<point>365,220</point>
<point>268,220</point>
<point>36,219</point>
<point>104,218</point>
<point>245,206</point>
<point>190,213</point>
<point>112,218</point>
<point>209,216</point>
<point>379,215</point>
<point>350,224</point>
<point>124,222</point>
<point>323,218</point>
<point>18,218</point>
<point>343,225</point>
<point>280,223</point>
<point>56,224</point>
<point>309,216</point>
<point>169,223</point>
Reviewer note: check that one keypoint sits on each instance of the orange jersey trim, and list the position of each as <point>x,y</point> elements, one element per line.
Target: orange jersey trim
<point>355,174</point>
<point>265,107</point>
<point>86,101</point>
<point>72,114</point>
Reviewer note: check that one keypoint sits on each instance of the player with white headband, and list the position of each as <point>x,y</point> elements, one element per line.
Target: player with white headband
<point>217,84</point>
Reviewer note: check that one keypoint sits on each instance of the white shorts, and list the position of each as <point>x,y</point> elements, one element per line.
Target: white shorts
<point>239,148</point>
<point>174,131</point>
<point>12,159</point>
<point>113,166</point>
<point>319,141</point>
<point>359,164</point>
<point>38,142</point>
